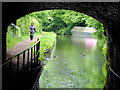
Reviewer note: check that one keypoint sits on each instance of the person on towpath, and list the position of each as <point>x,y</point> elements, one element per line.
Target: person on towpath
<point>32,30</point>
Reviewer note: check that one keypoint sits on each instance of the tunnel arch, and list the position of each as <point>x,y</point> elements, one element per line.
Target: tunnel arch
<point>107,13</point>
<point>95,10</point>
<point>103,12</point>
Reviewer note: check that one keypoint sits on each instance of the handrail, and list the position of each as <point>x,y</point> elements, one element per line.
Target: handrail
<point>37,80</point>
<point>8,60</point>
<point>114,72</point>
<point>21,64</point>
<point>16,27</point>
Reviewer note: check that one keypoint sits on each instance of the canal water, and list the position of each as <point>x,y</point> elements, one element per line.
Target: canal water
<point>76,62</point>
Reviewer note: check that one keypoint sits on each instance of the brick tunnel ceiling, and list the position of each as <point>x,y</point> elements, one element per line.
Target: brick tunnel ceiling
<point>107,13</point>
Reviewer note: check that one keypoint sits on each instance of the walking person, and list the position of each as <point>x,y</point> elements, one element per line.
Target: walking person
<point>32,30</point>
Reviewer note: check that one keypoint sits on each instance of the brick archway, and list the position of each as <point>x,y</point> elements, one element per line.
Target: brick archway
<point>106,13</point>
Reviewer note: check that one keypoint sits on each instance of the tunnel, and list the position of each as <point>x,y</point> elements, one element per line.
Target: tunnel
<point>107,13</point>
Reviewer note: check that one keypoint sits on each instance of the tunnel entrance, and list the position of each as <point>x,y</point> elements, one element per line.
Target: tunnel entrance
<point>107,13</point>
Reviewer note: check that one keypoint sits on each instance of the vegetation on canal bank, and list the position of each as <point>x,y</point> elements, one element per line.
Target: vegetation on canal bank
<point>12,40</point>
<point>47,38</point>
<point>61,22</point>
<point>46,41</point>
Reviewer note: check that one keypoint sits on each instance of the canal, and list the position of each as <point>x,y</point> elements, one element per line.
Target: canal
<point>76,62</point>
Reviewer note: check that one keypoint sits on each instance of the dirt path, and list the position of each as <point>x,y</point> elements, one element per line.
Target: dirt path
<point>20,47</point>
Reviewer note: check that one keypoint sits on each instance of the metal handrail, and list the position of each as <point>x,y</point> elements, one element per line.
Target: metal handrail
<point>9,59</point>
<point>13,67</point>
<point>114,72</point>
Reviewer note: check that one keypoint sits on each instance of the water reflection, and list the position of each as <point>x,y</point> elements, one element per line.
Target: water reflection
<point>90,43</point>
<point>84,34</point>
<point>72,70</point>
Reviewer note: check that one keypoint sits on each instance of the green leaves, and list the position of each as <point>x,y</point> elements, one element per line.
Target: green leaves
<point>25,22</point>
<point>60,21</point>
<point>47,41</point>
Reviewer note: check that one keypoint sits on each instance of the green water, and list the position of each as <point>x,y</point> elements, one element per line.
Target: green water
<point>70,69</point>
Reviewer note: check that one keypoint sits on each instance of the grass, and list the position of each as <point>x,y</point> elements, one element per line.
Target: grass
<point>46,41</point>
<point>12,41</point>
